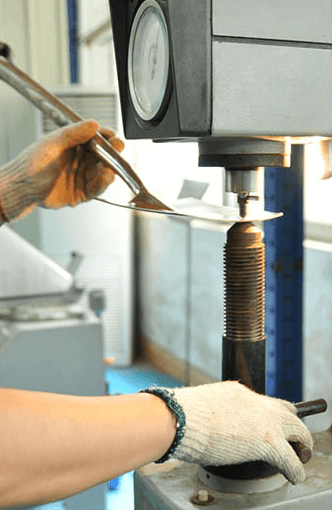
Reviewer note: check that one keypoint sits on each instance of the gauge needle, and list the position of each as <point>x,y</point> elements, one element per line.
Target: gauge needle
<point>154,48</point>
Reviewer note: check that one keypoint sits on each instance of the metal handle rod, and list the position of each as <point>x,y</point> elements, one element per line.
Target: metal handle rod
<point>304,409</point>
<point>311,407</point>
<point>63,115</point>
<point>307,409</point>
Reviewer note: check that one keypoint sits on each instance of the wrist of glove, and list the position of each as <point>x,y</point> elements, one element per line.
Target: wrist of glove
<point>57,171</point>
<point>226,423</point>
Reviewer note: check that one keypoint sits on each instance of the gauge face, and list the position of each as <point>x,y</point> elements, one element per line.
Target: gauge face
<point>148,60</point>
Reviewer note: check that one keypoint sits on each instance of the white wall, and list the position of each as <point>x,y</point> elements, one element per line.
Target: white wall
<point>96,60</point>
<point>317,328</point>
<point>36,30</point>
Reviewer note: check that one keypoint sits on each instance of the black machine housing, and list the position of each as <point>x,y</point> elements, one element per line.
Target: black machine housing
<point>186,109</point>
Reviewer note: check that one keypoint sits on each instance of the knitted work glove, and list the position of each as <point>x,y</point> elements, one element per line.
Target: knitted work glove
<point>56,171</point>
<point>226,423</point>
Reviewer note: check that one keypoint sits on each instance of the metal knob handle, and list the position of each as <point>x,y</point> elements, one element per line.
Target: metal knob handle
<point>307,409</point>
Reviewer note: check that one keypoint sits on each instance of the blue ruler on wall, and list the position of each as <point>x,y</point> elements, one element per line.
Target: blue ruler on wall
<point>284,278</point>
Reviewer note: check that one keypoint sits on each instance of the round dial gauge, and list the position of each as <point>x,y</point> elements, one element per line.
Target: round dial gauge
<point>148,60</point>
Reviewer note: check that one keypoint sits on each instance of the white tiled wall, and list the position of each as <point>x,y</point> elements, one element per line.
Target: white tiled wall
<point>164,295</point>
<point>317,328</point>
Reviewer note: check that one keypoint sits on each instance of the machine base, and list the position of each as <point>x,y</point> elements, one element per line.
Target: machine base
<point>173,485</point>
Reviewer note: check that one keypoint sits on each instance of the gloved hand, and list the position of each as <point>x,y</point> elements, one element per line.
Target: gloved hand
<point>226,423</point>
<point>56,171</point>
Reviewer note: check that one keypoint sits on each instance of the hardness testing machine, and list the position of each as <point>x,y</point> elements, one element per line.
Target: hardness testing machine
<point>251,83</point>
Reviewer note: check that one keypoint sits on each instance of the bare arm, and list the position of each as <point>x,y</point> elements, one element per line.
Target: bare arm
<point>54,446</point>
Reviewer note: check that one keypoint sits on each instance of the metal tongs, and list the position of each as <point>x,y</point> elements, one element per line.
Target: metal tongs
<point>63,115</point>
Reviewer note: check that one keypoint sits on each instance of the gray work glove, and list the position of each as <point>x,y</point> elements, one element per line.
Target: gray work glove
<point>57,171</point>
<point>227,423</point>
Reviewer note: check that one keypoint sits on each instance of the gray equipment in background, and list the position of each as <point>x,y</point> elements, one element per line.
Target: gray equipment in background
<point>47,342</point>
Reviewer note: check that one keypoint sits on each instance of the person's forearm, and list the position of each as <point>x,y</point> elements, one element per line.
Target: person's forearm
<point>54,446</point>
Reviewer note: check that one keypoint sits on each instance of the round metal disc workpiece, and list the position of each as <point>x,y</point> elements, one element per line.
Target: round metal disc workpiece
<point>192,209</point>
<point>197,209</point>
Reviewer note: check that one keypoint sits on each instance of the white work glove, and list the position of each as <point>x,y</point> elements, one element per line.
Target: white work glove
<point>56,171</point>
<point>227,423</point>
